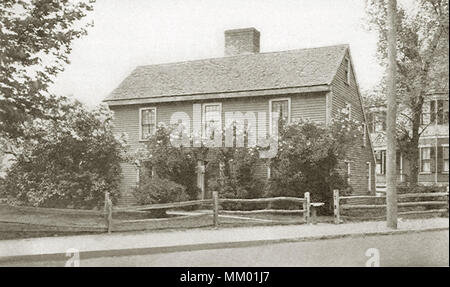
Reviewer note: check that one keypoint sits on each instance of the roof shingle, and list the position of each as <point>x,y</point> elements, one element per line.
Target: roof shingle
<point>295,68</point>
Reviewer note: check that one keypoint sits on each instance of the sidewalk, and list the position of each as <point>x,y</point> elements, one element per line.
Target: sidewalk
<point>158,242</point>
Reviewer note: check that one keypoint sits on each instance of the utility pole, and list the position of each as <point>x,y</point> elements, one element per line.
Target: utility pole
<point>391,138</point>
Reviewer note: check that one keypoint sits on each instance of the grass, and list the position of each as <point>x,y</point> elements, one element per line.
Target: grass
<point>18,223</point>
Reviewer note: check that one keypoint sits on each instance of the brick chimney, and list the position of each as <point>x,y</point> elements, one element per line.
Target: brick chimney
<point>241,41</point>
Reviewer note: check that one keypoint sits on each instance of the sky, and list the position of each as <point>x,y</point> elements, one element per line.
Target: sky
<point>128,33</point>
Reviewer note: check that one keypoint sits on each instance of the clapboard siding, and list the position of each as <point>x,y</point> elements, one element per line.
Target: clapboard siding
<point>126,119</point>
<point>341,94</point>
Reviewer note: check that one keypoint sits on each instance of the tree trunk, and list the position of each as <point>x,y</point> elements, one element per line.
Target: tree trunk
<point>413,147</point>
<point>391,150</point>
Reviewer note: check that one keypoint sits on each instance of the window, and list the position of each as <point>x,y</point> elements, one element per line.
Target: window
<point>442,112</point>
<point>426,114</point>
<point>347,70</point>
<point>380,157</point>
<point>147,119</point>
<point>435,111</point>
<point>376,121</point>
<point>212,119</point>
<point>445,159</point>
<point>283,108</point>
<point>425,159</point>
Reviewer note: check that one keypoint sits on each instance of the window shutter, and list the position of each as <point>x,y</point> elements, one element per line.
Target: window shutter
<point>433,159</point>
<point>440,159</point>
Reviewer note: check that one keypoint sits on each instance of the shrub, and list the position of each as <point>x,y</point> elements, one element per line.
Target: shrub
<point>401,189</point>
<point>236,178</point>
<point>159,190</point>
<point>177,164</point>
<point>68,161</point>
<point>308,160</point>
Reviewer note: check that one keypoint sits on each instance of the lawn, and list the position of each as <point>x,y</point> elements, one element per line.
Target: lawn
<point>26,223</point>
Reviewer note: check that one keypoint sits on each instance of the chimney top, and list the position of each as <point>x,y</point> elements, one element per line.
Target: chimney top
<point>241,41</point>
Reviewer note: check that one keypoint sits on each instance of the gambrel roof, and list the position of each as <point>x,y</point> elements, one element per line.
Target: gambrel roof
<point>252,72</point>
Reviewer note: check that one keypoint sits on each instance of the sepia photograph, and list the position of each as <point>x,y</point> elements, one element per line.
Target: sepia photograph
<point>243,135</point>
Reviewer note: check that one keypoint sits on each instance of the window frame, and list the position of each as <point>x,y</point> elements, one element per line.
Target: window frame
<point>140,122</point>
<point>421,171</point>
<point>288,99</point>
<point>383,162</point>
<point>204,105</point>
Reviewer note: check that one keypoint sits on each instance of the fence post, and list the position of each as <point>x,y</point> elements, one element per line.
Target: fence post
<point>108,212</point>
<point>337,216</point>
<point>307,208</point>
<point>216,209</point>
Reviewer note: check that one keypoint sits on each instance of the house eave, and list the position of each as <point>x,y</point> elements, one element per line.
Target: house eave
<point>218,95</point>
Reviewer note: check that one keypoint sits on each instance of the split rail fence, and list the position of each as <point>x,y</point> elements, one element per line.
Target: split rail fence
<point>108,220</point>
<point>438,201</point>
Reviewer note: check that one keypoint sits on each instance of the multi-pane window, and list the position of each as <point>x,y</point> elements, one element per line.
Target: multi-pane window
<point>380,157</point>
<point>442,112</point>
<point>148,122</point>
<point>425,159</point>
<point>445,159</point>
<point>282,108</point>
<point>212,119</point>
<point>376,121</point>
<point>435,111</point>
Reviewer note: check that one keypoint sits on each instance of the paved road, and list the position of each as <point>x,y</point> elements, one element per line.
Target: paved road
<point>411,249</point>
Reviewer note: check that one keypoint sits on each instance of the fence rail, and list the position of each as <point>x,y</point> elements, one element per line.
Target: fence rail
<point>159,206</point>
<point>108,223</point>
<point>270,199</point>
<point>338,207</point>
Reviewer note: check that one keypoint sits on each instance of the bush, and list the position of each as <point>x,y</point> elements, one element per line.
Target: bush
<point>308,160</point>
<point>177,164</point>
<point>236,178</point>
<point>69,161</point>
<point>159,190</point>
<point>401,189</point>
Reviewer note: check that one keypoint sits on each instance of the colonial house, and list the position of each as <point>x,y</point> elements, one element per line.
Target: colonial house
<point>313,83</point>
<point>433,143</point>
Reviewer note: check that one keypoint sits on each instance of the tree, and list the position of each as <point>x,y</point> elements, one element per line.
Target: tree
<point>35,42</point>
<point>70,160</point>
<point>422,64</point>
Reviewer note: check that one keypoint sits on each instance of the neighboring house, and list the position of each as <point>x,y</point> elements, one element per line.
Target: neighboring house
<point>311,83</point>
<point>433,143</point>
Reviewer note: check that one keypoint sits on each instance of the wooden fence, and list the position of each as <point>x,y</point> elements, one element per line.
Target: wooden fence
<point>433,199</point>
<point>305,203</point>
<point>108,218</point>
